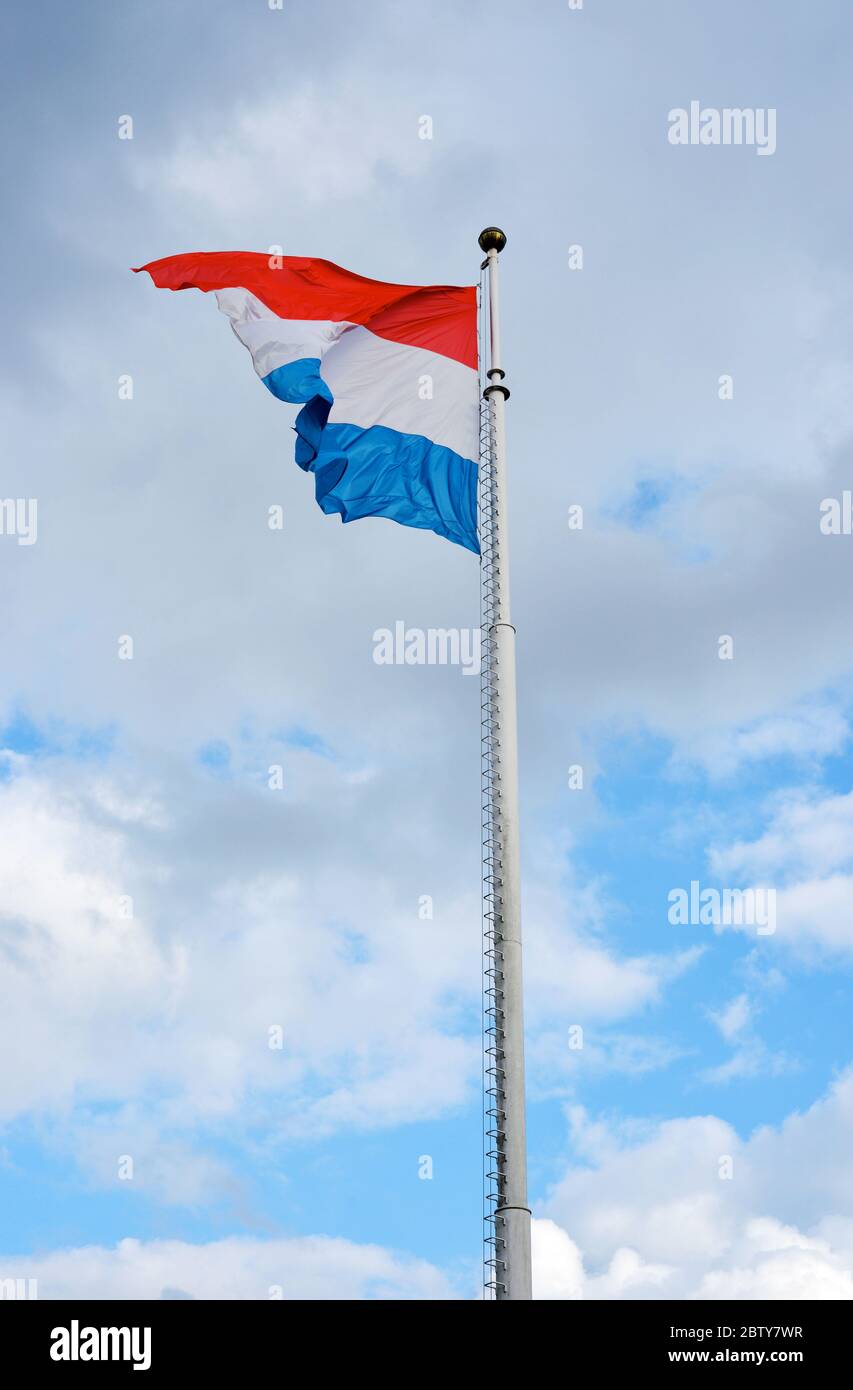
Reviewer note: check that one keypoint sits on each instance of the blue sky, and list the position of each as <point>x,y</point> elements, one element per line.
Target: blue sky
<point>141,1031</point>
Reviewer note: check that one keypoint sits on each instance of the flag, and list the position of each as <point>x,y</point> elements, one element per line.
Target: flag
<point>387,376</point>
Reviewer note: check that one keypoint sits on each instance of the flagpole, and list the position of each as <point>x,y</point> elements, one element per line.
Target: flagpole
<point>508,1268</point>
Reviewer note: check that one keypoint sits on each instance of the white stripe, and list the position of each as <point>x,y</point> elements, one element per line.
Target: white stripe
<point>273,341</point>
<point>373,381</point>
<point>377,382</point>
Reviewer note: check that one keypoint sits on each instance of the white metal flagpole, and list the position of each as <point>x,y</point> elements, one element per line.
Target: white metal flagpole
<point>508,1270</point>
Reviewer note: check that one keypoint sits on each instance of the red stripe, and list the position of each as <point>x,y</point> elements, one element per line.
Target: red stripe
<point>442,318</point>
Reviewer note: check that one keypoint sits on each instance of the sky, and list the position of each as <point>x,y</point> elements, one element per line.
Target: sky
<point>165,913</point>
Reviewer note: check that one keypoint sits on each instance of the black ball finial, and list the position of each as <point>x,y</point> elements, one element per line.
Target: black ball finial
<point>492,237</point>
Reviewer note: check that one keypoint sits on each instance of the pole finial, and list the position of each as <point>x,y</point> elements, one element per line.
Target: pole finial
<point>492,237</point>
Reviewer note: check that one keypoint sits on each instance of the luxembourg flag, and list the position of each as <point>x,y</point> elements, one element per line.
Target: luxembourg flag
<point>386,374</point>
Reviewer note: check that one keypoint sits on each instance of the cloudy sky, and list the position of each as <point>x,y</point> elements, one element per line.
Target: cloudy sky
<point>162,908</point>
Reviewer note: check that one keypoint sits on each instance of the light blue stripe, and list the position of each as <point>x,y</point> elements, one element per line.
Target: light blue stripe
<point>377,471</point>
<point>298,381</point>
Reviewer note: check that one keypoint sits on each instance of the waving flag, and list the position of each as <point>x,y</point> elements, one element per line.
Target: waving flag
<point>387,375</point>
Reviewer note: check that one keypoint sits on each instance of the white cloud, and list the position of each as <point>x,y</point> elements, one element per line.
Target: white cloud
<point>237,929</point>
<point>310,1267</point>
<point>775,1261</point>
<point>571,973</point>
<point>734,1017</point>
<point>557,1263</point>
<point>319,150</point>
<point>103,1006</point>
<point>766,1260</point>
<point>807,835</point>
<point>809,732</point>
<point>750,1056</point>
<point>557,1064</point>
<point>652,1200</point>
<point>816,917</point>
<point>558,1271</point>
<point>807,852</point>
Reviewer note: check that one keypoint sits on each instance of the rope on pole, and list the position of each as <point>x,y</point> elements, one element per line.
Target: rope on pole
<point>492,1041</point>
<point>507,1261</point>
